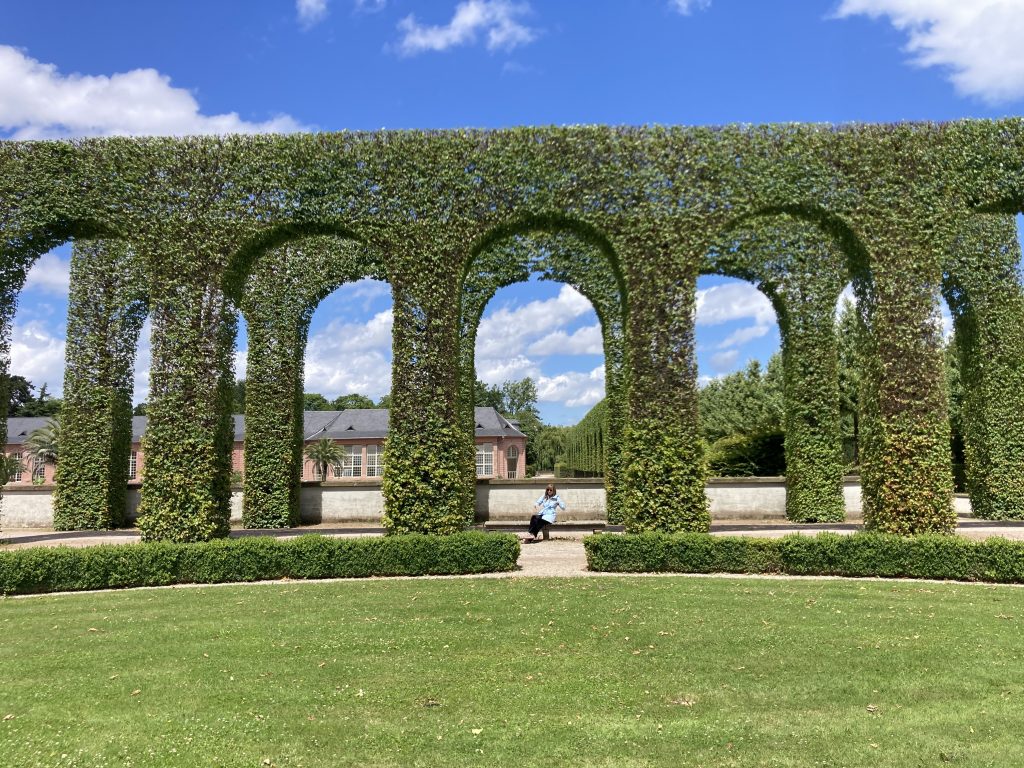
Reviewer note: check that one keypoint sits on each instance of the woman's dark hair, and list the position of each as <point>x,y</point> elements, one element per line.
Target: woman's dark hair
<point>550,490</point>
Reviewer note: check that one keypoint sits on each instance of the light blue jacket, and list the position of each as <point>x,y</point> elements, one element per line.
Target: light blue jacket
<point>549,507</point>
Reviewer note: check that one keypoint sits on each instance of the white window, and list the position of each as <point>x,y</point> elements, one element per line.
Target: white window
<point>39,468</point>
<point>485,460</point>
<point>351,463</point>
<point>512,461</point>
<point>374,460</point>
<point>133,465</point>
<point>16,477</point>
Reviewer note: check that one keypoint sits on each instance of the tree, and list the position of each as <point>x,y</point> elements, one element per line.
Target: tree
<point>549,447</point>
<point>10,466</point>
<point>519,397</point>
<point>385,401</point>
<point>238,404</point>
<point>140,409</point>
<point>747,402</point>
<point>485,396</point>
<point>353,400</point>
<point>324,453</point>
<point>42,405</point>
<point>314,401</point>
<point>21,394</point>
<point>43,444</point>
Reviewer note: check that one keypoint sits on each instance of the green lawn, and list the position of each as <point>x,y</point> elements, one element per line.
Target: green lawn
<point>495,672</point>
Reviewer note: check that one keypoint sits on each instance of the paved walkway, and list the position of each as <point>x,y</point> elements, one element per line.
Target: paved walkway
<point>561,555</point>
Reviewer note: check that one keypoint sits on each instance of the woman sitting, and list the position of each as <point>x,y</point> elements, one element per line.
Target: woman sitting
<point>547,511</point>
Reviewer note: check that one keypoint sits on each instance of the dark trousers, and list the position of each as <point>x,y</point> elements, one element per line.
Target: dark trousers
<point>537,524</point>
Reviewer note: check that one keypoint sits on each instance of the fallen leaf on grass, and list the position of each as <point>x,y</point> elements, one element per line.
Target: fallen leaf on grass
<point>872,708</point>
<point>136,692</point>
<point>8,717</point>
<point>476,731</point>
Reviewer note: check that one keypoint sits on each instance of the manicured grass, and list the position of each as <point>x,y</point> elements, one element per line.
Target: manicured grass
<point>620,671</point>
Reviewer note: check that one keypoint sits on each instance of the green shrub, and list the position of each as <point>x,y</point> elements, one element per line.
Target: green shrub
<point>256,558</point>
<point>928,556</point>
<point>757,455</point>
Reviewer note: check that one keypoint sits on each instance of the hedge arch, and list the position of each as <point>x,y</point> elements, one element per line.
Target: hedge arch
<point>562,250</point>
<point>660,196</point>
<point>802,269</point>
<point>283,289</point>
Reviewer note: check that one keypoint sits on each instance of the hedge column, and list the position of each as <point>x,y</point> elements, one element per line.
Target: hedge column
<point>663,474</point>
<point>425,469</point>
<point>106,310</point>
<point>987,303</point>
<point>906,476</point>
<point>186,495</point>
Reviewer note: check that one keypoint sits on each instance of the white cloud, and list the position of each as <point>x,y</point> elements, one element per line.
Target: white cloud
<point>724,361</point>
<point>38,355</point>
<point>572,388</point>
<point>686,7</point>
<point>497,19</point>
<point>498,370</point>
<point>41,102</point>
<point>741,336</point>
<point>978,41</point>
<point>312,12</point>
<point>506,332</point>
<point>143,361</point>
<point>49,274</point>
<point>351,357</point>
<point>733,301</point>
<point>584,341</point>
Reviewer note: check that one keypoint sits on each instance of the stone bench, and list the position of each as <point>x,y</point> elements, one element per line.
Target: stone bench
<point>591,526</point>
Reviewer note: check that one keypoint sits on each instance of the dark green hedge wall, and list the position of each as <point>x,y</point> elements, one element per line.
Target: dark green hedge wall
<point>903,211</point>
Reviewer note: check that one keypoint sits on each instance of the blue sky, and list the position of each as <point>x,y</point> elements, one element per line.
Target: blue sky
<point>69,68</point>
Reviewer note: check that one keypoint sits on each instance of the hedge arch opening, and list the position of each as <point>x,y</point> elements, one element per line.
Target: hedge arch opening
<point>564,251</point>
<point>279,295</point>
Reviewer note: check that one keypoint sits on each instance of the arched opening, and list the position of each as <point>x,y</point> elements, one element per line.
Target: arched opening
<point>283,444</point>
<point>567,340</point>
<point>83,303</point>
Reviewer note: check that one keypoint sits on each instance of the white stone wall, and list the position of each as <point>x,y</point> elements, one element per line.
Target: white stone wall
<point>361,501</point>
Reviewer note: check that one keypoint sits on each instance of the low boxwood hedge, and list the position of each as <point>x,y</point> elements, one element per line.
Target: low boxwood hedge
<point>255,558</point>
<point>929,556</point>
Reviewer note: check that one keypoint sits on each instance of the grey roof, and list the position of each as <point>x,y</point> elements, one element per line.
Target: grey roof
<point>20,427</point>
<point>354,423</point>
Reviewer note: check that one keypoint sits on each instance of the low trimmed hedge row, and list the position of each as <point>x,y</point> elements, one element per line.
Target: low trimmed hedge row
<point>929,556</point>
<point>257,558</point>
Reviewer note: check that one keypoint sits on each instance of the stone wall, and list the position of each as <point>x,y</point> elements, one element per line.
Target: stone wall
<point>497,500</point>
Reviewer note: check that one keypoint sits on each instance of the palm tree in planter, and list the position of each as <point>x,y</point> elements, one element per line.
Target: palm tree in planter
<point>9,467</point>
<point>42,446</point>
<point>324,453</point>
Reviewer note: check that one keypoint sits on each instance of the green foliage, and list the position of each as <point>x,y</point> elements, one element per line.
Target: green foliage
<point>10,466</point>
<point>585,443</point>
<point>748,455</point>
<point>324,453</point>
<point>42,444</point>
<point>21,390</point>
<point>314,401</point>
<point>630,217</point>
<point>747,402</point>
<point>354,400</point>
<point>926,556</point>
<point>40,405</point>
<point>255,558</point>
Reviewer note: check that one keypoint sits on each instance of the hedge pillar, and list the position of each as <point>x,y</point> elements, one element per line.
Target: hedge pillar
<point>425,480</point>
<point>987,303</point>
<point>106,310</point>
<point>186,494</point>
<point>663,474</point>
<point>907,481</point>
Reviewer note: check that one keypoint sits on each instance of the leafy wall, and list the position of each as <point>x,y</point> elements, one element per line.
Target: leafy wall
<point>904,211</point>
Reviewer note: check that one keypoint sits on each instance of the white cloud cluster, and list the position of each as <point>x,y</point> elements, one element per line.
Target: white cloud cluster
<point>977,40</point>
<point>38,355</point>
<point>686,7</point>
<point>40,102</point>
<point>733,301</point>
<point>497,20</point>
<point>351,357</point>
<point>572,388</point>
<point>49,274</point>
<point>312,11</point>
